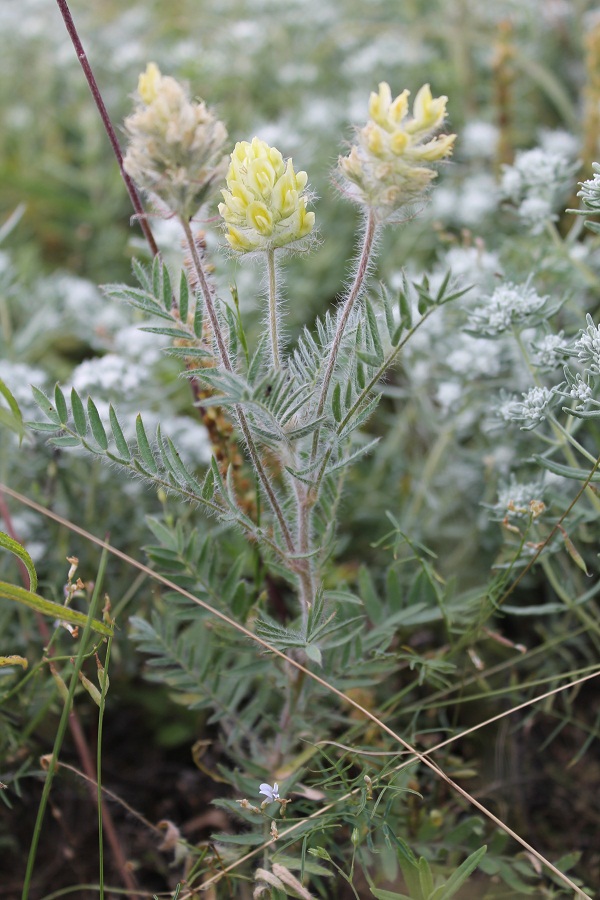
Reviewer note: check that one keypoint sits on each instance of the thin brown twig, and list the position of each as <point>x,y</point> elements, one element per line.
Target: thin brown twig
<point>108,125</point>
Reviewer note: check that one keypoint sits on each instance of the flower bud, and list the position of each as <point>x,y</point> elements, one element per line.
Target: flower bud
<point>386,167</point>
<point>175,149</point>
<point>264,206</point>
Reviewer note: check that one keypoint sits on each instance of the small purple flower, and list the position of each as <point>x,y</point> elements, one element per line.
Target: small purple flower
<point>271,793</point>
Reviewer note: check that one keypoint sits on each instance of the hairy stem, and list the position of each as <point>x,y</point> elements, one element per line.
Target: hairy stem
<point>273,310</point>
<point>307,586</point>
<point>226,362</point>
<point>363,265</point>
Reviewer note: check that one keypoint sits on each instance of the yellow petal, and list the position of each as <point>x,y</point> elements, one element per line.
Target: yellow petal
<point>148,83</point>
<point>260,218</point>
<point>379,104</point>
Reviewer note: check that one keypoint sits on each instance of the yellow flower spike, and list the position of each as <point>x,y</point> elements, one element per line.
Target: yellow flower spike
<point>148,83</point>
<point>384,169</point>
<point>264,207</point>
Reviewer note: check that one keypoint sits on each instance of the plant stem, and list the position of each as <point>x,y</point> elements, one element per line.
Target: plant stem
<point>307,587</point>
<point>273,309</point>
<point>108,126</point>
<point>103,690</point>
<point>226,363</point>
<point>363,265</point>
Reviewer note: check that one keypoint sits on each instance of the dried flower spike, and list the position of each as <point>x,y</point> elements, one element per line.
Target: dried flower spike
<point>175,149</point>
<point>264,205</point>
<point>388,167</point>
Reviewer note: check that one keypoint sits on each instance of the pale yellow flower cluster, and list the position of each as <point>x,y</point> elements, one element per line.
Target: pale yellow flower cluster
<point>176,145</point>
<point>264,206</point>
<point>387,166</point>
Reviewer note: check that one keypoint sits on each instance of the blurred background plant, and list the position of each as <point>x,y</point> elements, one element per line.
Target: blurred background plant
<point>454,469</point>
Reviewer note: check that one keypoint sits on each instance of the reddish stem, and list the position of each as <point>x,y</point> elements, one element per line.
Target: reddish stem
<point>112,136</point>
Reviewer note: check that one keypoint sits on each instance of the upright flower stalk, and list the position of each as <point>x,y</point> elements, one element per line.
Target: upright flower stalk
<point>264,210</point>
<point>386,169</point>
<point>273,311</point>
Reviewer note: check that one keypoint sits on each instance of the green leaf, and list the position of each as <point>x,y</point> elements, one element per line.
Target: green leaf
<point>360,376</point>
<point>167,290</point>
<point>369,358</point>
<point>425,877</point>
<point>389,895</point>
<point>405,310</point>
<point>137,298</point>
<point>61,405</point>
<point>458,878</point>
<point>184,297</point>
<point>387,310</point>
<point>369,596</point>
<point>374,333</point>
<point>397,334</point>
<point>165,535</point>
<point>303,430</point>
<point>336,402</point>
<point>176,333</point>
<point>144,446</point>
<point>78,413</point>
<point>12,417</point>
<point>156,273</point>
<point>49,608</point>
<point>246,839</point>
<point>44,404</point>
<point>181,469</point>
<point>188,352</point>
<point>362,451</point>
<point>44,427</point>
<point>15,547</point>
<point>65,440</point>
<point>141,274</point>
<point>122,445</point>
<point>360,415</point>
<point>582,413</point>
<point>96,424</point>
<point>314,654</point>
<point>567,471</point>
<point>208,487</point>
<point>198,318</point>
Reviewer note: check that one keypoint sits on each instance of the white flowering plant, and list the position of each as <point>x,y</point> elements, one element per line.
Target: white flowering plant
<point>359,521</point>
